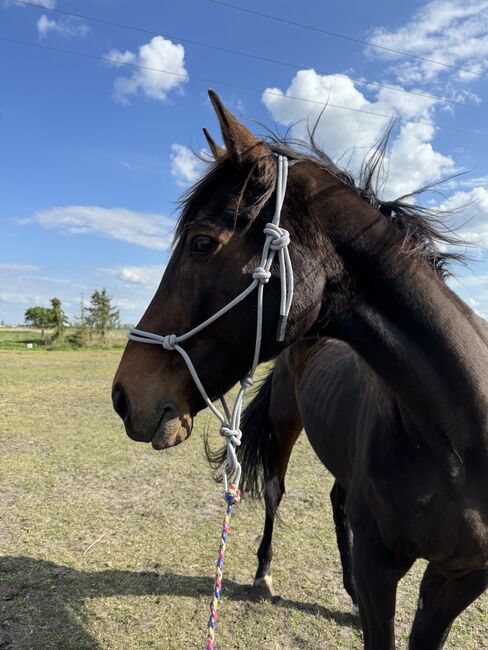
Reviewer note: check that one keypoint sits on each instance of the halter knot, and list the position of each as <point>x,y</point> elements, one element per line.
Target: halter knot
<point>247,382</point>
<point>261,274</point>
<point>169,341</point>
<point>233,435</point>
<point>280,236</point>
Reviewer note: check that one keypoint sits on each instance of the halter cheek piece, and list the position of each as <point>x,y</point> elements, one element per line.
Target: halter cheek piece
<point>276,242</point>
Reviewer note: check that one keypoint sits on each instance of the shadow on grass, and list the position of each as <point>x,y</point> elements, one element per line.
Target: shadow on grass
<point>41,601</point>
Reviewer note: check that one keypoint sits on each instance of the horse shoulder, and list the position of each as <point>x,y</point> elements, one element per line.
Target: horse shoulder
<point>339,398</point>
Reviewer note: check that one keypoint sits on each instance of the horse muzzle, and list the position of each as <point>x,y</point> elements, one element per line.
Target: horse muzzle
<point>172,429</point>
<point>164,427</point>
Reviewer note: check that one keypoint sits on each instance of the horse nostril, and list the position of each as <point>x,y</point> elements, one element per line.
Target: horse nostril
<point>120,401</point>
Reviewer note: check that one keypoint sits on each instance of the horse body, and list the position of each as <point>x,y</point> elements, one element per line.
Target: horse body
<point>405,430</point>
<point>422,436</point>
<point>367,441</point>
<point>426,444</point>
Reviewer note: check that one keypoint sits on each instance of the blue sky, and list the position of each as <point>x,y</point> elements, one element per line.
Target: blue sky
<point>94,154</point>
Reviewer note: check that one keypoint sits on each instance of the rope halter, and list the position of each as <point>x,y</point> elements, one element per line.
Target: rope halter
<point>276,243</point>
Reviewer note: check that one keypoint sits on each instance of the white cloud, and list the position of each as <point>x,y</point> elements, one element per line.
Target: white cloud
<point>22,286</point>
<point>413,162</point>
<point>16,298</point>
<point>159,54</point>
<point>5,266</point>
<point>47,4</point>
<point>471,281</point>
<point>454,32</point>
<point>147,276</point>
<point>339,132</point>
<point>470,182</point>
<point>185,166</point>
<point>132,287</point>
<point>471,216</point>
<point>66,28</point>
<point>118,58</point>
<point>473,289</point>
<point>144,229</point>
<point>347,135</point>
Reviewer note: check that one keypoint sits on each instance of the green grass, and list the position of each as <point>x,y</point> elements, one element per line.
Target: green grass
<point>18,338</point>
<point>107,544</point>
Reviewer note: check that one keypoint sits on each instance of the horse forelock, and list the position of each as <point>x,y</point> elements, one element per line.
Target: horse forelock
<point>253,188</point>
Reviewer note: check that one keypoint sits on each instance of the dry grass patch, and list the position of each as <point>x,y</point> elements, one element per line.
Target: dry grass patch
<point>109,545</point>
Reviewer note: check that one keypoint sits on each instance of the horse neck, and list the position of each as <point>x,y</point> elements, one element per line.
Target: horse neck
<point>410,328</point>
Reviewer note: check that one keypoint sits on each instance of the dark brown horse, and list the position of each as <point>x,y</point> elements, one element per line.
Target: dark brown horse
<point>414,455</point>
<point>273,420</point>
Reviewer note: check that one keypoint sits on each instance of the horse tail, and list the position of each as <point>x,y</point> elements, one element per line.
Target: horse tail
<point>253,452</point>
<point>257,429</point>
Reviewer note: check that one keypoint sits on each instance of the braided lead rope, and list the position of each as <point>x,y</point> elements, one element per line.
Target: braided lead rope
<point>232,496</point>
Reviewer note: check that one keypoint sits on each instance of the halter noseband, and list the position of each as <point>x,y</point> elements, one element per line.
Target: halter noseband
<point>277,240</point>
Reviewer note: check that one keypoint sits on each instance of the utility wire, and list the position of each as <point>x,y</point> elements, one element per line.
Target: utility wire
<point>248,55</point>
<point>311,28</point>
<point>271,93</point>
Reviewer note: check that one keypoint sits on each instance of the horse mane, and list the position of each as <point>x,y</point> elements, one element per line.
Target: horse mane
<point>424,234</point>
<point>424,230</point>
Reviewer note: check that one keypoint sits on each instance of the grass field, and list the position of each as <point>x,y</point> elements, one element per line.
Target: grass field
<point>18,338</point>
<point>107,544</point>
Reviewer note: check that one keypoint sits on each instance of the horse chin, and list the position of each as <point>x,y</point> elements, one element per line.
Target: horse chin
<point>172,431</point>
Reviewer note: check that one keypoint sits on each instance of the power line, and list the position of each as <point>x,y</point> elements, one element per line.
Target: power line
<point>311,28</point>
<point>248,55</point>
<point>105,59</point>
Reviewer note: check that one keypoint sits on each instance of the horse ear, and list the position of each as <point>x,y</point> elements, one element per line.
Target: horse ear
<point>218,152</point>
<point>238,140</point>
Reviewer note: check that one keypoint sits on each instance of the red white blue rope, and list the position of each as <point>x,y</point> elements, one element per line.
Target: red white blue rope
<point>232,497</point>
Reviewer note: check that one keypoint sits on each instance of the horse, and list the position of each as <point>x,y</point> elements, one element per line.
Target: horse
<point>272,422</point>
<point>417,451</point>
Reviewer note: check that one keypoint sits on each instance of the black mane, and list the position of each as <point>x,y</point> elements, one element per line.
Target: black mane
<point>423,229</point>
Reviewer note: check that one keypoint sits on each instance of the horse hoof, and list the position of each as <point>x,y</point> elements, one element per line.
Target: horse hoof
<point>263,587</point>
<point>355,610</point>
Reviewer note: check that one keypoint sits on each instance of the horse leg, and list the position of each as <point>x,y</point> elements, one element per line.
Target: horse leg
<point>275,468</point>
<point>442,598</point>
<point>376,577</point>
<point>273,493</point>
<point>284,425</point>
<point>344,540</point>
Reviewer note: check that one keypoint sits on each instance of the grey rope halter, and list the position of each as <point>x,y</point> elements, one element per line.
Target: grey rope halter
<point>276,242</point>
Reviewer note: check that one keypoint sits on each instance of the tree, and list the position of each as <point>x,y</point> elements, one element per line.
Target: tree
<point>100,315</point>
<point>40,317</point>
<point>82,332</point>
<point>59,320</point>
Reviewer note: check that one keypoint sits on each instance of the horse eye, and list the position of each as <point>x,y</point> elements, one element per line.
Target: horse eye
<point>203,245</point>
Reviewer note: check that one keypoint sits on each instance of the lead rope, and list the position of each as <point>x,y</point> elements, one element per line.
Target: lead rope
<point>232,496</point>
<point>277,241</point>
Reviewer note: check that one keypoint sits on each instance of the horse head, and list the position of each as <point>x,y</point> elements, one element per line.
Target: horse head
<point>218,246</point>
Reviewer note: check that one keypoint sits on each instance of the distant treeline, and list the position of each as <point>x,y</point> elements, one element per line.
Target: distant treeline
<point>94,321</point>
